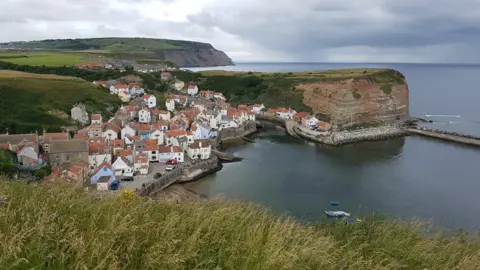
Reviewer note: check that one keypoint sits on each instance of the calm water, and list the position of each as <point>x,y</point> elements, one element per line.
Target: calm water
<point>410,177</point>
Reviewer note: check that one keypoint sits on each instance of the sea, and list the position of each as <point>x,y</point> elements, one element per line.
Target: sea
<point>409,178</point>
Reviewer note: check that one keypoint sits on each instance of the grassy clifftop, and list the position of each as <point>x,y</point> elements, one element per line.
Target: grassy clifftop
<point>279,89</point>
<point>31,102</point>
<point>56,228</point>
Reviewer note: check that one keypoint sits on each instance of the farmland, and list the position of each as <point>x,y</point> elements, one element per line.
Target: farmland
<point>52,59</point>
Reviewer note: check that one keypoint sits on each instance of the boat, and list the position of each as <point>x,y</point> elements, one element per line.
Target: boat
<point>336,214</point>
<point>333,203</point>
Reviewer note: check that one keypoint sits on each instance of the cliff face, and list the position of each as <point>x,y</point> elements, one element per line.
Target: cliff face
<point>196,58</point>
<point>355,101</point>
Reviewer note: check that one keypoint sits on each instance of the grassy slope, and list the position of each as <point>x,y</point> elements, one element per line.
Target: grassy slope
<point>51,59</point>
<point>278,89</point>
<point>26,99</point>
<point>68,230</point>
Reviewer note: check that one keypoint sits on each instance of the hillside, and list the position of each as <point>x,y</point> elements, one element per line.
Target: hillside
<point>344,97</point>
<point>31,102</point>
<point>69,230</point>
<point>145,50</point>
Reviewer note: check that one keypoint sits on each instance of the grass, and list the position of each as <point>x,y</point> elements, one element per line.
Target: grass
<point>30,102</point>
<point>69,230</point>
<point>356,95</point>
<point>43,58</point>
<point>386,89</point>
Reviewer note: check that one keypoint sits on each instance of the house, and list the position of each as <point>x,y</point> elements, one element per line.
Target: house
<point>144,116</point>
<point>323,126</point>
<point>98,153</point>
<point>199,149</point>
<point>127,153</point>
<point>157,134</point>
<point>227,121</point>
<point>170,104</point>
<point>299,116</point>
<point>103,170</point>
<point>95,130</point>
<point>48,138</point>
<point>127,130</point>
<point>202,131</point>
<point>285,113</point>
<point>164,115</point>
<point>79,113</point>
<point>78,172</point>
<point>309,121</point>
<point>251,116</point>
<point>141,163</point>
<point>257,108</point>
<point>172,137</point>
<point>136,91</point>
<point>152,151</point>
<point>143,131</point>
<point>122,166</point>
<point>171,152</point>
<point>96,119</point>
<point>207,94</point>
<point>104,182</point>
<point>117,88</point>
<point>166,76</point>
<point>150,101</point>
<point>14,140</point>
<point>64,151</point>
<point>162,125</point>
<point>220,96</point>
<point>116,145</point>
<point>111,132</point>
<point>28,156</point>
<point>271,112</point>
<point>124,96</point>
<point>192,89</point>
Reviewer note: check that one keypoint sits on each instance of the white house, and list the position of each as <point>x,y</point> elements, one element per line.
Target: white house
<point>164,115</point>
<point>111,132</point>
<point>227,122</point>
<point>171,152</point>
<point>97,154</point>
<point>141,162</point>
<point>153,154</point>
<point>123,167</point>
<point>170,104</point>
<point>192,89</point>
<point>199,149</point>
<point>117,88</point>
<point>158,135</point>
<point>286,113</point>
<point>150,100</point>
<point>127,130</point>
<point>172,136</point>
<point>251,116</point>
<point>27,155</point>
<point>219,95</point>
<point>257,108</point>
<point>144,116</point>
<point>309,121</point>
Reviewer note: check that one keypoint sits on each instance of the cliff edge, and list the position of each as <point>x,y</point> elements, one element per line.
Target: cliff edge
<point>380,96</point>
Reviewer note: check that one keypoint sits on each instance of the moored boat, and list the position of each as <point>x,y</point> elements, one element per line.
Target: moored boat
<point>337,214</point>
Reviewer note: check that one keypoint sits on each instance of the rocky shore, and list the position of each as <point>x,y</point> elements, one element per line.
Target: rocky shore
<point>346,137</point>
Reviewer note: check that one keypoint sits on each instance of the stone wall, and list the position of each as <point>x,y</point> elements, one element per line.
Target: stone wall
<point>247,128</point>
<point>447,136</point>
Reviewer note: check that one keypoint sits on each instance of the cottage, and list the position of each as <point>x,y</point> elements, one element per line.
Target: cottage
<point>227,121</point>
<point>323,126</point>
<point>157,134</point>
<point>104,170</point>
<point>144,116</point>
<point>164,115</point>
<point>123,166</point>
<point>192,89</point>
<point>96,119</point>
<point>299,116</point>
<point>28,156</point>
<point>111,132</point>
<point>127,130</point>
<point>166,76</point>
<point>220,96</point>
<point>78,172</point>
<point>48,138</point>
<point>64,151</point>
<point>170,104</point>
<point>162,125</point>
<point>285,113</point>
<point>152,151</point>
<point>271,112</point>
<point>127,153</point>
<point>207,94</point>
<point>141,163</point>
<point>116,145</point>
<point>98,153</point>
<point>203,131</point>
<point>172,137</point>
<point>171,152</point>
<point>150,100</point>
<point>199,149</point>
<point>309,121</point>
<point>257,108</point>
<point>117,88</point>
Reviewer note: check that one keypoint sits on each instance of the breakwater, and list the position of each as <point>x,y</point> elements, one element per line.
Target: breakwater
<point>184,173</point>
<point>229,134</point>
<point>346,137</point>
<point>446,136</point>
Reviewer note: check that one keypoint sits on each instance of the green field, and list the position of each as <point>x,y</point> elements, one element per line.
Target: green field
<point>52,59</point>
<point>31,102</point>
<point>58,228</point>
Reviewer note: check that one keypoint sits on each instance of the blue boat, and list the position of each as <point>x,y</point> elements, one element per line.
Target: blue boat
<point>336,214</point>
<point>332,203</point>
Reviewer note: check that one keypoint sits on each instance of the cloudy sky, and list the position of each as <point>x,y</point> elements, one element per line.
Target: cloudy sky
<point>267,30</point>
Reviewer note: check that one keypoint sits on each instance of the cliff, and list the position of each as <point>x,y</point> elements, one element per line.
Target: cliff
<point>183,53</point>
<point>358,100</point>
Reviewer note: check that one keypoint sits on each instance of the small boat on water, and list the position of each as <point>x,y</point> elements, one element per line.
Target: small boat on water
<point>337,214</point>
<point>333,203</point>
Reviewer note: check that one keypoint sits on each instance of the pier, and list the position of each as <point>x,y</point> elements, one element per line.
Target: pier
<point>446,136</point>
<point>225,157</point>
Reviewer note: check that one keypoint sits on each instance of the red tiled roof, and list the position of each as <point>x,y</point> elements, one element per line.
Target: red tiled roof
<point>270,110</point>
<point>97,117</point>
<point>151,147</point>
<point>174,127</point>
<point>196,144</point>
<point>113,127</point>
<point>146,96</point>
<point>56,136</point>
<point>126,152</point>
<point>98,148</point>
<point>150,142</point>
<point>162,112</point>
<point>117,143</point>
<point>192,85</point>
<point>175,133</point>
<point>104,164</point>
<point>321,124</point>
<point>301,114</point>
<point>177,149</point>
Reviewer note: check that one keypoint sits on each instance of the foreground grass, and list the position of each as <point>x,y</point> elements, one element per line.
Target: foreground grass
<point>56,228</point>
<point>44,58</point>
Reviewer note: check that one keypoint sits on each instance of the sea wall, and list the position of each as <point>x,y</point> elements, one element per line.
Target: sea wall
<point>346,137</point>
<point>247,128</point>
<point>446,136</point>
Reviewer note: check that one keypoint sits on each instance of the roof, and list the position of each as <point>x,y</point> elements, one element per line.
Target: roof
<point>170,149</point>
<point>125,160</point>
<point>125,152</point>
<point>56,136</point>
<point>96,117</point>
<point>113,127</point>
<point>17,138</point>
<point>151,147</point>
<point>97,148</point>
<point>227,118</point>
<point>321,124</point>
<point>270,110</point>
<point>192,85</point>
<point>104,179</point>
<point>120,85</point>
<point>174,127</point>
<point>301,114</point>
<point>69,146</point>
<point>147,96</point>
<point>197,144</point>
<point>162,112</point>
<point>117,143</point>
<point>175,133</point>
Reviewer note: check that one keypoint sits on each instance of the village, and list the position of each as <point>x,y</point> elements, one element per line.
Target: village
<point>140,142</point>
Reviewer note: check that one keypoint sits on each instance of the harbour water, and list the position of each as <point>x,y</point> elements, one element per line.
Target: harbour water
<point>408,177</point>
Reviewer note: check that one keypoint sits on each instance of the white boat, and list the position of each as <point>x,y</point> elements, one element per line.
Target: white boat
<point>337,214</point>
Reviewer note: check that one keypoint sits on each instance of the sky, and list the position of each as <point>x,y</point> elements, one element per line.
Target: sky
<point>420,31</point>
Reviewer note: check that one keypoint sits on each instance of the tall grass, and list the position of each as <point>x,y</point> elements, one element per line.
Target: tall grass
<point>56,228</point>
